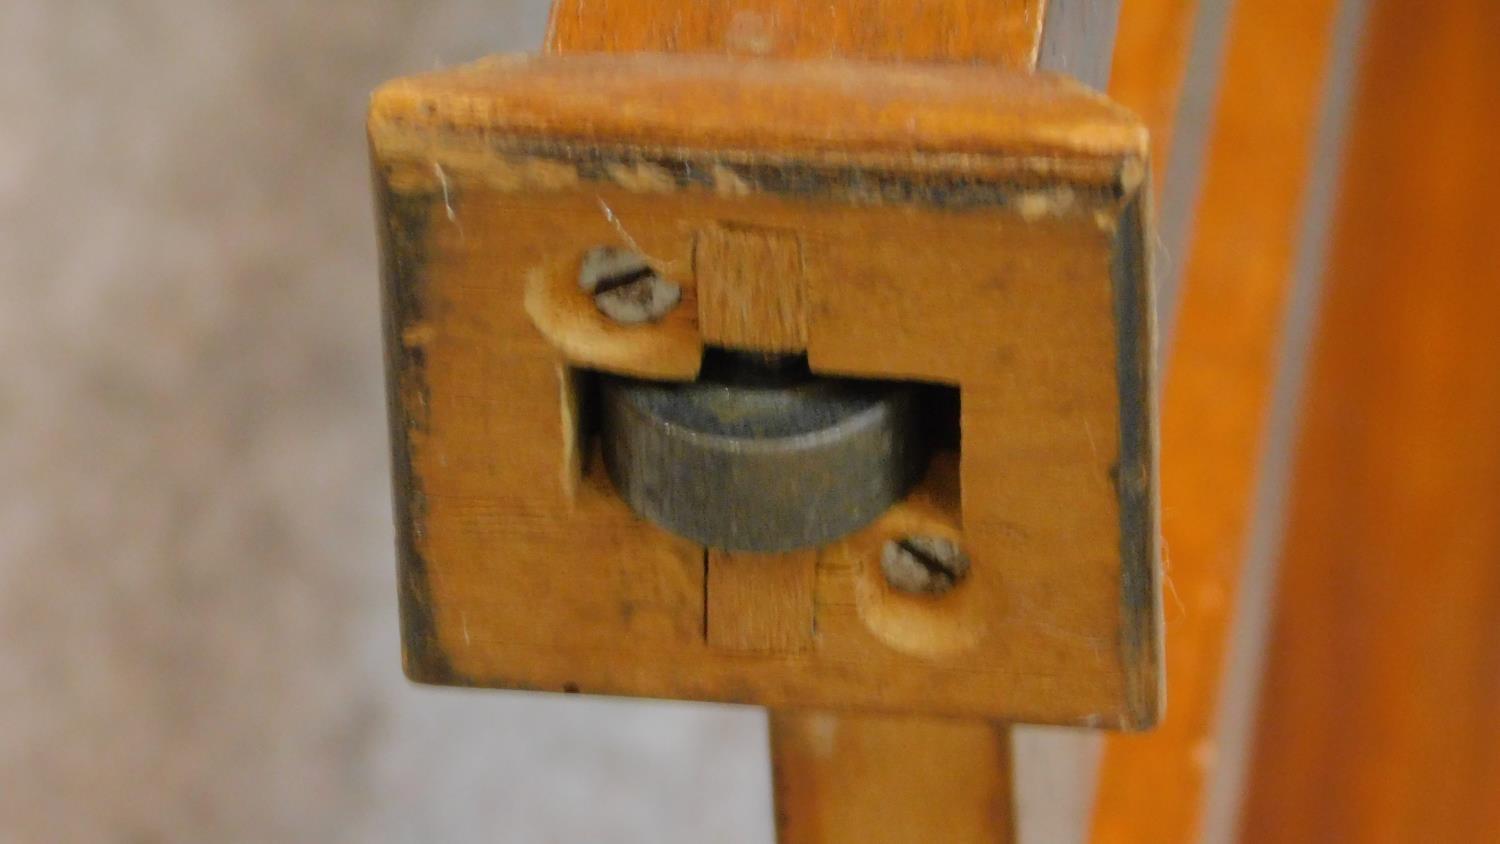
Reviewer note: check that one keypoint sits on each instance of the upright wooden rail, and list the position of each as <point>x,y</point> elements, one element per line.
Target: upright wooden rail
<point>1378,718</point>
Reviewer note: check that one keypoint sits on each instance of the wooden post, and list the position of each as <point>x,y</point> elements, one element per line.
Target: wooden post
<point>845,182</point>
<point>890,780</point>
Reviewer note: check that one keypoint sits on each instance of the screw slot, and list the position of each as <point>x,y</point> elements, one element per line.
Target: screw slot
<point>624,286</point>
<point>924,565</point>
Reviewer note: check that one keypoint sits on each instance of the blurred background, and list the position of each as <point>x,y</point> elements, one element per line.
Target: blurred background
<point>197,610</point>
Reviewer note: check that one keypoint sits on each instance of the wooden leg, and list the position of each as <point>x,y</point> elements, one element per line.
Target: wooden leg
<point>868,779</point>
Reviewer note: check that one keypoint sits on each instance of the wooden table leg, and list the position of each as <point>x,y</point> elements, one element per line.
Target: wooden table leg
<point>867,779</point>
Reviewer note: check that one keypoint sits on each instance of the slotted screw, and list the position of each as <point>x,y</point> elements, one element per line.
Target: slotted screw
<point>625,288</point>
<point>926,565</point>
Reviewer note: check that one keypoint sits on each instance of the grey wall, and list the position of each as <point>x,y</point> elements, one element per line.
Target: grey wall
<point>197,619</point>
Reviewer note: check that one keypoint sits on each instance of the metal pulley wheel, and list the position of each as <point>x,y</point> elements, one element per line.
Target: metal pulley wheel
<point>758,454</point>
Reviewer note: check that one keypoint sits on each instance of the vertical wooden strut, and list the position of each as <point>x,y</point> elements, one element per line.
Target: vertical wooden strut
<point>847,777</point>
<point>1215,399</point>
<point>879,779</point>
<point>1377,718</point>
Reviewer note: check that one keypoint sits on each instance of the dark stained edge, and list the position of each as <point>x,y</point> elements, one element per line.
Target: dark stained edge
<point>793,177</point>
<point>1136,474</point>
<point>402,221</point>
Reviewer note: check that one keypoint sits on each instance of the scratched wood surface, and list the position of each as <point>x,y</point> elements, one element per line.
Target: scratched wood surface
<point>1005,277</point>
<point>1216,397</point>
<point>1378,718</point>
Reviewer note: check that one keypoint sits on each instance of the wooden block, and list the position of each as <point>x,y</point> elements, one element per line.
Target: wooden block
<point>760,603</point>
<point>959,225</point>
<point>752,293</point>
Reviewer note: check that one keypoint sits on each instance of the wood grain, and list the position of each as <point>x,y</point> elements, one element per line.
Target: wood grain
<point>760,603</point>
<point>1216,397</point>
<point>999,32</point>
<point>752,291</point>
<point>853,779</point>
<point>958,225</point>
<point>1378,718</point>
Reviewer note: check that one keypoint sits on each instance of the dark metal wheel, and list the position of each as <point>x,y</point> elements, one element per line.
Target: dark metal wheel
<point>758,454</point>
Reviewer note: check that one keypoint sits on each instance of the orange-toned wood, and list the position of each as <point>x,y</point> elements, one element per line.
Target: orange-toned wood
<point>1380,716</point>
<point>1017,276</point>
<point>863,802</point>
<point>752,292</point>
<point>860,779</point>
<point>1215,401</point>
<point>1001,32</point>
<point>760,603</point>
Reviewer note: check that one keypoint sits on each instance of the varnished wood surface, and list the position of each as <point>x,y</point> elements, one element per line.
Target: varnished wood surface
<point>760,603</point>
<point>996,32</point>
<point>752,293</point>
<point>1215,400</point>
<point>859,779</point>
<point>976,805</point>
<point>1380,714</point>
<point>1013,271</point>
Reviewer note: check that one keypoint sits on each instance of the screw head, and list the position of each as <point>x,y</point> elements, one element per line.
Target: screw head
<point>925,565</point>
<point>625,288</point>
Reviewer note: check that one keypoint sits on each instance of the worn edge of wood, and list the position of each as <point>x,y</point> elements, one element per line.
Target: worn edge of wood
<point>1033,186</point>
<point>404,214</point>
<point>1142,634</point>
<point>402,224</point>
<point>905,111</point>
